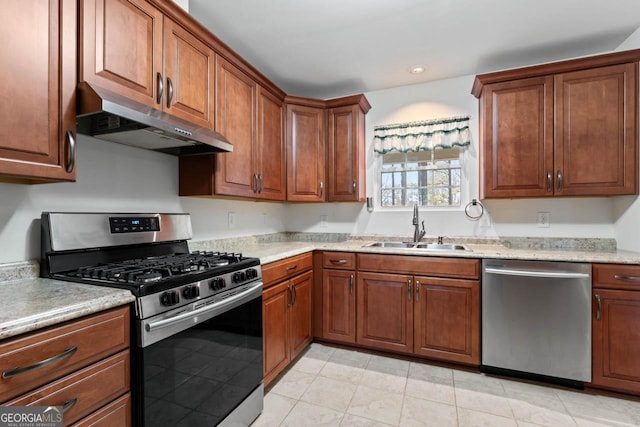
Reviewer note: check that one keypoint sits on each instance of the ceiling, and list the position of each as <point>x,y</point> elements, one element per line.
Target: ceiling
<point>330,48</point>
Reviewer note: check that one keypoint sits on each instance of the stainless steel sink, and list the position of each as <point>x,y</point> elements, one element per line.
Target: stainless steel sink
<point>442,247</point>
<point>390,245</point>
<point>422,246</point>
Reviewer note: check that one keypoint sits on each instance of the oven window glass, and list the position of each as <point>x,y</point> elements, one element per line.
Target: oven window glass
<point>198,376</point>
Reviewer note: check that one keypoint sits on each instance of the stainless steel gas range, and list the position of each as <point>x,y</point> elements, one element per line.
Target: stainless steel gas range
<point>197,356</point>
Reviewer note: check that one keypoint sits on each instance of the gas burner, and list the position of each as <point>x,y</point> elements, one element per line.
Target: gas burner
<point>147,277</point>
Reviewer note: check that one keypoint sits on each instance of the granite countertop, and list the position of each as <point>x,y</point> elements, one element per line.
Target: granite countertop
<point>32,303</point>
<point>35,303</point>
<point>274,251</point>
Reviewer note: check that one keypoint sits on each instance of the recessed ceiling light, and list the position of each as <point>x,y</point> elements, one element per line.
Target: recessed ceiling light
<point>417,69</point>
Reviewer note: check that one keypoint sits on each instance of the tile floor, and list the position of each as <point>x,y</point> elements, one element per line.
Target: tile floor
<point>330,386</point>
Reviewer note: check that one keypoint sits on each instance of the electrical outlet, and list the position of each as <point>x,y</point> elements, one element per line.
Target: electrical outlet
<point>324,221</point>
<point>264,218</point>
<point>232,219</point>
<point>544,219</point>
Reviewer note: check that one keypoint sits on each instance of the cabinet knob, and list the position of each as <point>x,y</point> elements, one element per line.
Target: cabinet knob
<point>549,181</point>
<point>355,185</point>
<point>321,188</point>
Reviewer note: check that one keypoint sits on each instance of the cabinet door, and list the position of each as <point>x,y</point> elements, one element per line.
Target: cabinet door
<point>596,135</point>
<point>275,306</point>
<point>37,89</point>
<point>385,311</point>
<point>121,48</point>
<point>339,305</point>
<point>189,71</point>
<point>616,339</point>
<point>306,153</point>
<point>447,319</point>
<point>300,313</point>
<point>270,153</point>
<point>516,127</point>
<point>346,155</point>
<point>235,119</point>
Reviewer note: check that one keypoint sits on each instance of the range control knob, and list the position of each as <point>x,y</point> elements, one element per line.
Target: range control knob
<point>217,284</point>
<point>170,298</point>
<point>251,273</point>
<point>191,292</point>
<point>238,277</point>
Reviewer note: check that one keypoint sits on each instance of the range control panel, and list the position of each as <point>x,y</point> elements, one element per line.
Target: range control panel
<point>133,224</point>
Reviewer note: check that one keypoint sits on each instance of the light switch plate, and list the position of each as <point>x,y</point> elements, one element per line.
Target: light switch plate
<point>232,219</point>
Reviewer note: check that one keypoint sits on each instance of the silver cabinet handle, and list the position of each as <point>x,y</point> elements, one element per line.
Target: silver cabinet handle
<point>408,290</point>
<point>255,182</point>
<point>354,187</point>
<point>599,308</point>
<point>338,261</point>
<point>321,188</point>
<point>160,88</point>
<point>534,273</point>
<point>417,290</point>
<point>170,95</point>
<point>351,284</point>
<point>260,183</point>
<point>290,303</point>
<point>549,181</point>
<point>69,404</point>
<point>627,278</point>
<point>71,163</point>
<point>295,294</point>
<point>560,180</point>
<point>9,373</point>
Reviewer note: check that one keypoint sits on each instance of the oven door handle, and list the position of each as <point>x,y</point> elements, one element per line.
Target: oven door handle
<point>219,306</point>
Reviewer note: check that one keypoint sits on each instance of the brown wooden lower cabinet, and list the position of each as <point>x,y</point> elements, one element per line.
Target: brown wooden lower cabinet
<point>616,339</point>
<point>447,319</point>
<point>117,413</point>
<point>385,311</point>
<point>286,311</point>
<point>339,305</point>
<point>432,310</point>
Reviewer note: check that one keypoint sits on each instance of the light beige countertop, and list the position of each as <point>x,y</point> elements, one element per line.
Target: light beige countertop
<point>274,251</point>
<point>35,303</point>
<point>31,303</point>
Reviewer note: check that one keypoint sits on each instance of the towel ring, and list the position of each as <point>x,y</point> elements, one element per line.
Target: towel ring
<point>474,202</point>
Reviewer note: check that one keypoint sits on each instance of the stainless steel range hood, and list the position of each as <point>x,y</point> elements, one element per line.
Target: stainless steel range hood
<point>112,117</point>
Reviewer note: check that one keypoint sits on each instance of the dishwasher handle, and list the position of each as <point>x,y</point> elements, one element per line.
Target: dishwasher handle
<point>549,274</point>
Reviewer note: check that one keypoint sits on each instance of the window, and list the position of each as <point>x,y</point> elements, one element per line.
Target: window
<point>428,178</point>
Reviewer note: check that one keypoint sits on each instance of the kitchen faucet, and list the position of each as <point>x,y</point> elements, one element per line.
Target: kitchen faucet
<point>417,233</point>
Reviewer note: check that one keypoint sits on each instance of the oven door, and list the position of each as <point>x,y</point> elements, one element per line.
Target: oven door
<point>208,367</point>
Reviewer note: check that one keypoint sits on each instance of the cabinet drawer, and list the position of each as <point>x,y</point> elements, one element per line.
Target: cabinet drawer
<point>275,272</point>
<point>341,260</point>
<point>59,350</point>
<point>116,413</point>
<point>90,388</point>
<point>616,276</point>
<point>426,266</point>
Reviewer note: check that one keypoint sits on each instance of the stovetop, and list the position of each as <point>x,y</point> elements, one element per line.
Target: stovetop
<point>144,276</point>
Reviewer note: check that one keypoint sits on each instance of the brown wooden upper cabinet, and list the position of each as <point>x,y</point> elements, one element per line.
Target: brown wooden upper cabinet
<point>37,90</point>
<point>561,129</point>
<point>252,119</point>
<point>326,149</point>
<point>306,153</point>
<point>346,155</point>
<point>131,48</point>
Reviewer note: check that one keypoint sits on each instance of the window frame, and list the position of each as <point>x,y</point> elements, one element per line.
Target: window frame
<point>463,186</point>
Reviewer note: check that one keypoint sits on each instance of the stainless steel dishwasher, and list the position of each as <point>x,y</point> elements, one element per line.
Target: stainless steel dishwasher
<point>536,319</point>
